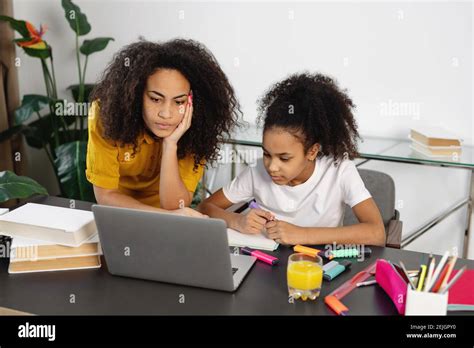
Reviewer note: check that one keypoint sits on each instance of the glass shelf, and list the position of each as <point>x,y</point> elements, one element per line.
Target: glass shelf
<point>371,147</point>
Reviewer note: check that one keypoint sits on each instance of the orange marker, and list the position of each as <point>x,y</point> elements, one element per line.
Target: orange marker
<point>336,305</point>
<point>310,251</point>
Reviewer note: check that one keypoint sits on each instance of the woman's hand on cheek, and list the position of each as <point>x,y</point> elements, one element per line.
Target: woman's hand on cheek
<point>182,127</point>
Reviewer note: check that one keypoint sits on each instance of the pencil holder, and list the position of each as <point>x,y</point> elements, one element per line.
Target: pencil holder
<point>426,303</point>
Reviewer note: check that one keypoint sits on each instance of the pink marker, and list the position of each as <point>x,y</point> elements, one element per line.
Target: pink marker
<point>260,256</point>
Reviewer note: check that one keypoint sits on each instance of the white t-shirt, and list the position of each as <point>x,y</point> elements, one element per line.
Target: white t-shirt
<point>318,202</point>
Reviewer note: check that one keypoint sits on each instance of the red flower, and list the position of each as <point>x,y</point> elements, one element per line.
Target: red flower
<point>35,40</point>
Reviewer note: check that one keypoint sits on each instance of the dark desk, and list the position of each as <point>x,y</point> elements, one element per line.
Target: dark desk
<point>263,292</point>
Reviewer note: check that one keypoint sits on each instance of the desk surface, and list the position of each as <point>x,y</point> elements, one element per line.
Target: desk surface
<point>263,291</point>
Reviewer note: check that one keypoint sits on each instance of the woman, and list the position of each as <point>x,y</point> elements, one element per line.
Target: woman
<point>157,117</point>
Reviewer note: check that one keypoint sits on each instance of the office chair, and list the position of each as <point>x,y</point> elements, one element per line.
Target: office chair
<point>382,189</point>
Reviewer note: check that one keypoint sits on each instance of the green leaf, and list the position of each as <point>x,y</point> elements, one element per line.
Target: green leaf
<point>17,25</point>
<point>13,186</point>
<point>30,104</point>
<point>88,87</point>
<point>95,45</point>
<point>70,164</point>
<point>69,134</point>
<point>76,19</point>
<point>39,132</point>
<point>38,53</point>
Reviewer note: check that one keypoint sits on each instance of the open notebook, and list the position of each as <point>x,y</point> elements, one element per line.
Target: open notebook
<point>254,241</point>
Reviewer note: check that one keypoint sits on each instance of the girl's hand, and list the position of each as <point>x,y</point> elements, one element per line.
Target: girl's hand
<point>254,221</point>
<point>188,212</point>
<point>183,126</point>
<point>285,233</point>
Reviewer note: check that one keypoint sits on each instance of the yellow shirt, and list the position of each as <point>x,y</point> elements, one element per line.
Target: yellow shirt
<point>112,166</point>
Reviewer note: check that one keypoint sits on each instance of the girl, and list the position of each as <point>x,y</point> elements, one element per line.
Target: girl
<point>306,176</point>
<point>158,114</point>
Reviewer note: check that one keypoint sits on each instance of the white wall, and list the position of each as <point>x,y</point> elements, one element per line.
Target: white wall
<point>398,52</point>
<point>415,54</point>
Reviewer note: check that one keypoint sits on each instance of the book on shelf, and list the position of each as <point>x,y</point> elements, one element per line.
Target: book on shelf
<point>434,136</point>
<point>452,152</point>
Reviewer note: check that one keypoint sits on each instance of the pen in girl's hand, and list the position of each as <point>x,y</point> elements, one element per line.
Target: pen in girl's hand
<point>254,205</point>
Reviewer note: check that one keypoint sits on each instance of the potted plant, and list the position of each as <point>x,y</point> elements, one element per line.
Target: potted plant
<point>59,126</point>
<point>13,186</point>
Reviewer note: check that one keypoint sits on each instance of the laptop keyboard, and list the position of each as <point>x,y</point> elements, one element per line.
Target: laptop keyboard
<point>234,270</point>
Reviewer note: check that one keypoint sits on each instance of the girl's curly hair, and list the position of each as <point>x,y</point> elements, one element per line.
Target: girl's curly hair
<point>312,105</point>
<point>121,87</point>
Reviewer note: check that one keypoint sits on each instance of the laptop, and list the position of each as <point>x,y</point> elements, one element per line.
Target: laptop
<point>169,248</point>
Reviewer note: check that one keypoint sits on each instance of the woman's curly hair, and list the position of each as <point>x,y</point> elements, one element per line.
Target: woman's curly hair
<point>312,105</point>
<point>121,87</point>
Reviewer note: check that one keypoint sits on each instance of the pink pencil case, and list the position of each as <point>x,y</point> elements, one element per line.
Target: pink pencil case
<point>392,282</point>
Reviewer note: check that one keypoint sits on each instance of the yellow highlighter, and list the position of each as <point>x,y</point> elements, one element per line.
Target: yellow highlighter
<point>421,278</point>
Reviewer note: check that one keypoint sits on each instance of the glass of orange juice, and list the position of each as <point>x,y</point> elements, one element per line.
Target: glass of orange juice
<point>304,275</point>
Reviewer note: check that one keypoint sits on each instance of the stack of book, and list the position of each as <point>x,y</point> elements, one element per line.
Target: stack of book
<point>49,238</point>
<point>435,142</point>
